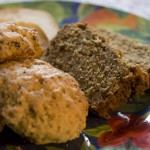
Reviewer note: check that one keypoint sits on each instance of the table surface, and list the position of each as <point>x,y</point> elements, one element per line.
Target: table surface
<point>137,7</point>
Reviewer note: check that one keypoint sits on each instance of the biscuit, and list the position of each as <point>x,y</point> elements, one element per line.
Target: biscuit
<point>40,102</point>
<point>17,42</point>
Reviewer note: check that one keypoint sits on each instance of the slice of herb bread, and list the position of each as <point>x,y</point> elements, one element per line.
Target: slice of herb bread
<point>107,80</point>
<point>133,51</point>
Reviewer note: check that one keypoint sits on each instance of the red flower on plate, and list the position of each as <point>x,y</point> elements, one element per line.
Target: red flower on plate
<point>124,128</point>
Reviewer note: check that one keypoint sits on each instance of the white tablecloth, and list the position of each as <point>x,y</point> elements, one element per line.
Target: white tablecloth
<point>138,7</point>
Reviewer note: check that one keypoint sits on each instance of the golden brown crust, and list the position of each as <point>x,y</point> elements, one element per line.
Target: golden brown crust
<point>41,102</point>
<point>17,42</point>
<point>44,41</point>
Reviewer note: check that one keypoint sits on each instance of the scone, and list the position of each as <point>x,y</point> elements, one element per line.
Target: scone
<point>17,42</point>
<point>107,80</point>
<point>41,102</point>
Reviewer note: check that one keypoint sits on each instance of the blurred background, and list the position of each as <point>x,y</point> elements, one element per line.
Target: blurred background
<point>137,7</point>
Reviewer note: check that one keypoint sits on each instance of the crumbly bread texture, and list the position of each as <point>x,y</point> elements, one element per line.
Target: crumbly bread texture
<point>105,78</point>
<point>17,42</point>
<point>133,51</point>
<point>41,102</point>
<point>38,17</point>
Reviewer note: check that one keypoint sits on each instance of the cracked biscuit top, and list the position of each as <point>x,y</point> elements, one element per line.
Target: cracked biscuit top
<point>17,42</point>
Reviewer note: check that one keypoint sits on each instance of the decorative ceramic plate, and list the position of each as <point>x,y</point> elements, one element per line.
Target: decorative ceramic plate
<point>98,135</point>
